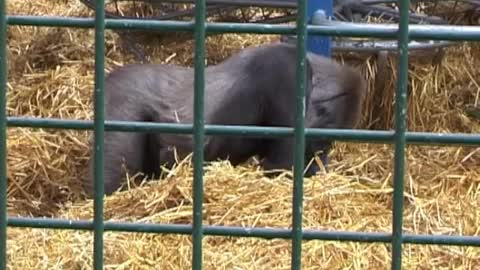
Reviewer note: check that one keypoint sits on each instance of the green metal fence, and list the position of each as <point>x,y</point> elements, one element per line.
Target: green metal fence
<point>400,137</point>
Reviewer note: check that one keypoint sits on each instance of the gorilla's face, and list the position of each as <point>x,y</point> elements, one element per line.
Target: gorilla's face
<point>325,112</point>
<point>335,102</point>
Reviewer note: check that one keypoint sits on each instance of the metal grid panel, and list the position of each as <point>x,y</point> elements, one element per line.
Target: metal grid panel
<point>400,137</point>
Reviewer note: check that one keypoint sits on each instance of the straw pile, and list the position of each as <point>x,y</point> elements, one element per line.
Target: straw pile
<point>51,75</point>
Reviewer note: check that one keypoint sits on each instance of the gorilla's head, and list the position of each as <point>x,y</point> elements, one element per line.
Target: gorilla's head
<point>335,102</point>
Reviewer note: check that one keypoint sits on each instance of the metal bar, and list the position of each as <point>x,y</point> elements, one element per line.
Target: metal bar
<point>170,15</point>
<point>436,32</point>
<point>199,133</point>
<point>400,138</point>
<point>99,131</point>
<point>359,135</point>
<point>240,3</point>
<point>389,13</point>
<point>235,231</point>
<point>299,136</point>
<point>3,136</point>
<point>320,44</point>
<point>374,46</point>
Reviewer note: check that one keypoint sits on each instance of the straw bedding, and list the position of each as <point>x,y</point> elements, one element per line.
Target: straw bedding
<point>51,75</point>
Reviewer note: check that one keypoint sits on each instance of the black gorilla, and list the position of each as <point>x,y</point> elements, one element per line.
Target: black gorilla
<point>257,86</point>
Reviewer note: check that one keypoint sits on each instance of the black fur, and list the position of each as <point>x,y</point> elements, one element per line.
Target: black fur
<point>254,87</point>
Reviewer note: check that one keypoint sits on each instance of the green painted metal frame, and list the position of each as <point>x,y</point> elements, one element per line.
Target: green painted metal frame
<point>199,133</point>
<point>99,131</point>
<point>400,137</point>
<point>299,137</point>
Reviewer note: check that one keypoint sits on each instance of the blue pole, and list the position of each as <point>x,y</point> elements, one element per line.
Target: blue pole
<point>319,44</point>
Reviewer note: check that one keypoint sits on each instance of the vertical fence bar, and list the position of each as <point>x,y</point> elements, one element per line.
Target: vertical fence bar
<point>297,205</point>
<point>319,44</point>
<point>99,130</point>
<point>3,136</point>
<point>400,129</point>
<point>199,134</point>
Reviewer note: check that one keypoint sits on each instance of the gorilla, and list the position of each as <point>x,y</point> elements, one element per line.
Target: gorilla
<point>256,86</point>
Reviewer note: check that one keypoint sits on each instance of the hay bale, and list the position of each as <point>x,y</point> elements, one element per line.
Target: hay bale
<point>438,94</point>
<point>45,166</point>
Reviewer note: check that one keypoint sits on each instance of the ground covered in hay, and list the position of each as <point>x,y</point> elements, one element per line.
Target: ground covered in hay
<point>51,75</point>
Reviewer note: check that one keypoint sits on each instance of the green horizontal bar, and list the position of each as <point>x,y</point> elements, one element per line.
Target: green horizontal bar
<point>374,136</point>
<point>267,233</point>
<point>432,32</point>
<point>60,21</point>
<point>85,22</point>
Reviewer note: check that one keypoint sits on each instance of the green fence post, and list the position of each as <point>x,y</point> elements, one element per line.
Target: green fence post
<point>399,137</point>
<point>3,136</point>
<point>400,141</point>
<point>299,137</point>
<point>199,133</point>
<point>99,130</point>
